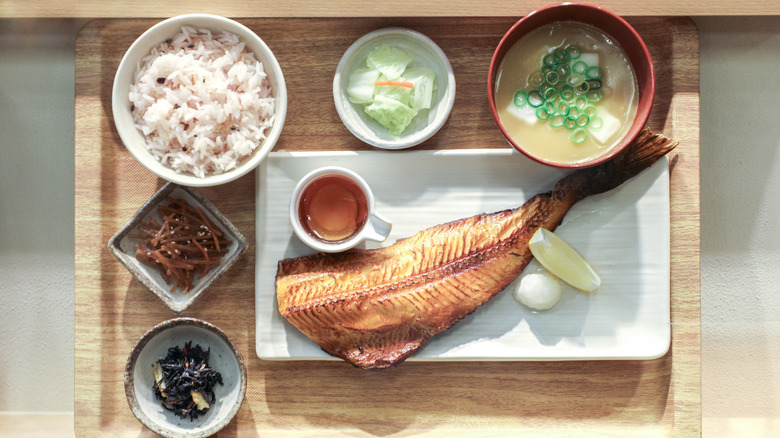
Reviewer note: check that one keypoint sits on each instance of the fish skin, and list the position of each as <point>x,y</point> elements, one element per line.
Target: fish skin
<point>375,308</point>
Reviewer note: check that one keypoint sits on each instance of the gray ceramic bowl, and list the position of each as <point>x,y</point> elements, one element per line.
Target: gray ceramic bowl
<point>122,245</point>
<point>223,358</point>
<point>425,53</point>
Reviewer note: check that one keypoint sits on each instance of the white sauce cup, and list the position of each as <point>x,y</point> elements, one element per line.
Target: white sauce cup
<point>375,227</point>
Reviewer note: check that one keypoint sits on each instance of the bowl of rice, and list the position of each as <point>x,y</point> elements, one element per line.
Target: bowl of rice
<point>199,100</point>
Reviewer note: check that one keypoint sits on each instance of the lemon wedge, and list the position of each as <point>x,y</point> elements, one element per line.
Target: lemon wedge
<point>563,261</point>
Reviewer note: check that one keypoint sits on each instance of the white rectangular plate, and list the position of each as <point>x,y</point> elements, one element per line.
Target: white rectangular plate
<point>624,234</point>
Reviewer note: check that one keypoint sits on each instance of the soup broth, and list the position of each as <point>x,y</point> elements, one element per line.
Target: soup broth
<point>566,93</point>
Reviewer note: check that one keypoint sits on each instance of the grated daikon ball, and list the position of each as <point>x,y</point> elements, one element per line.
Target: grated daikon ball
<point>538,290</point>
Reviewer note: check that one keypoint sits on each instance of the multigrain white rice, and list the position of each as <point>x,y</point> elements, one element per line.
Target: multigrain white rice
<point>202,101</point>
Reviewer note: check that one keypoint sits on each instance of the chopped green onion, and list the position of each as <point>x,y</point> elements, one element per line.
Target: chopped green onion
<point>556,121</point>
<point>521,98</point>
<point>542,114</point>
<point>535,98</point>
<point>573,52</point>
<point>579,67</point>
<point>579,135</point>
<point>551,77</point>
<point>593,72</point>
<point>567,91</point>
<point>594,84</point>
<point>594,95</point>
<point>549,92</point>
<point>563,70</point>
<point>564,108</point>
<point>560,56</point>
<point>536,79</point>
<point>576,80</point>
<point>549,108</point>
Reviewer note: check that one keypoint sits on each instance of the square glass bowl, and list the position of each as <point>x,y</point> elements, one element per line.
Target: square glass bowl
<point>122,246</point>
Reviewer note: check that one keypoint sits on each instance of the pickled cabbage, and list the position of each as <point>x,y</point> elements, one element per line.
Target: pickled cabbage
<point>392,91</point>
<point>390,61</point>
<point>423,80</point>
<point>391,113</point>
<point>361,85</point>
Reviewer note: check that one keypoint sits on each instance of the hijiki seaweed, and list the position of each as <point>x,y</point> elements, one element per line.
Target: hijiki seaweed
<point>184,382</point>
<point>184,243</point>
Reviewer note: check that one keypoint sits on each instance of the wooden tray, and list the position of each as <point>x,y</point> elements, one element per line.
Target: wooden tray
<point>659,397</point>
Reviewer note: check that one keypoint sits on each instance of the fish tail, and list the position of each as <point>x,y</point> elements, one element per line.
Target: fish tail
<point>645,150</point>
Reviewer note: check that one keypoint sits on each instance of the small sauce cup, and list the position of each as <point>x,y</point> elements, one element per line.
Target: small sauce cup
<point>332,209</point>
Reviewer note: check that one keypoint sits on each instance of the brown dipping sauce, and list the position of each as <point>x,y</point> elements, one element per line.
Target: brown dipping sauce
<point>333,208</point>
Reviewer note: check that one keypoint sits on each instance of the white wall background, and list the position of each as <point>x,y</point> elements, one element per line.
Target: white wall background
<point>36,214</point>
<point>740,226</point>
<point>740,180</point>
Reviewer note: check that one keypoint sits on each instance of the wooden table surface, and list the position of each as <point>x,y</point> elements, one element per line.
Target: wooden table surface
<point>365,8</point>
<point>659,397</point>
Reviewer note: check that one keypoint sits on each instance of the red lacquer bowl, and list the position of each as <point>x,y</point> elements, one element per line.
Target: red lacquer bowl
<point>610,24</point>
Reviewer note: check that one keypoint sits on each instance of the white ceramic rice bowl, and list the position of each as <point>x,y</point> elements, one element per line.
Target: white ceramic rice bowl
<point>134,139</point>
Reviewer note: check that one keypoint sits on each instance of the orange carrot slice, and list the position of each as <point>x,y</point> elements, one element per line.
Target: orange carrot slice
<point>396,83</point>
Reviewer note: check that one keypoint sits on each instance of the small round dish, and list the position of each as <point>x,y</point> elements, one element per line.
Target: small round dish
<point>424,52</point>
<point>134,140</point>
<point>609,24</point>
<point>224,358</point>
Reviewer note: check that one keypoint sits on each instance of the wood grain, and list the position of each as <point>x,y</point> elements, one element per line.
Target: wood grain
<point>36,425</point>
<point>609,398</point>
<point>364,8</point>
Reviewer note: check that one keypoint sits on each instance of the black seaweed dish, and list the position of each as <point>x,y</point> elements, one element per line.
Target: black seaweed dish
<point>184,382</point>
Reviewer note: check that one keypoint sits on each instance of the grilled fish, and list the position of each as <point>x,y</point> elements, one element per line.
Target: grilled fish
<point>375,308</point>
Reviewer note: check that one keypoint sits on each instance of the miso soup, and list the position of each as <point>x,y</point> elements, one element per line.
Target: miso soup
<point>566,93</point>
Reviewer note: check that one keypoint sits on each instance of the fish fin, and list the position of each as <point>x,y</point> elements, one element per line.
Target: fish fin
<point>645,150</point>
<point>384,356</point>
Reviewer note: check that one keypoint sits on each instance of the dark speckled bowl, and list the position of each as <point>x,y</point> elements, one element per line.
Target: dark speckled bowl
<point>122,245</point>
<point>224,358</point>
